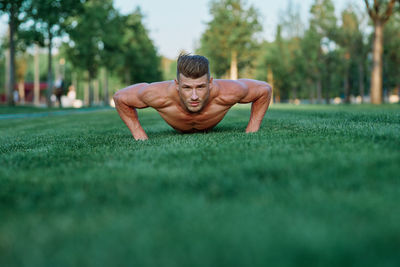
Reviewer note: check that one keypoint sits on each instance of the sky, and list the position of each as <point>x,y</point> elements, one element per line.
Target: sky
<point>176,25</point>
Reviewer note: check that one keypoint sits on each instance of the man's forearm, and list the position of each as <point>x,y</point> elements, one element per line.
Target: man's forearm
<point>130,117</point>
<point>258,110</point>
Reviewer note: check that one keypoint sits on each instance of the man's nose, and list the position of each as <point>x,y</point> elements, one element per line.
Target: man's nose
<point>194,95</point>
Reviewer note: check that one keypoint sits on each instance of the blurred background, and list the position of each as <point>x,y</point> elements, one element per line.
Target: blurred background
<point>75,53</point>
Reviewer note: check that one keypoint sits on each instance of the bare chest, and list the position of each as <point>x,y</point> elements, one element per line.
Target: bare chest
<point>188,122</point>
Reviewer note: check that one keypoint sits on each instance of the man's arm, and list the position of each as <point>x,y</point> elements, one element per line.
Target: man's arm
<point>259,94</point>
<point>127,100</point>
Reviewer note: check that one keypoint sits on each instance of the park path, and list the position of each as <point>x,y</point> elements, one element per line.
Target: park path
<point>50,113</point>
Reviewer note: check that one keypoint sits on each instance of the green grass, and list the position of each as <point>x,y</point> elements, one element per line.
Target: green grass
<point>26,109</point>
<point>316,186</point>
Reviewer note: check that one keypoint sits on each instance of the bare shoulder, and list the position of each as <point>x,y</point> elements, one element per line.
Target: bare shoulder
<point>241,91</point>
<point>157,94</point>
<point>230,91</point>
<point>143,95</point>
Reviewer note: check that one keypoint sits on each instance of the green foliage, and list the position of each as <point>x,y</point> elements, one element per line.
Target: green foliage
<point>86,36</point>
<point>140,62</point>
<point>302,60</point>
<point>103,37</point>
<point>278,57</point>
<point>233,27</point>
<point>329,56</point>
<point>169,68</point>
<point>16,10</point>
<point>317,185</point>
<point>323,19</point>
<point>391,53</point>
<point>50,15</point>
<point>111,35</point>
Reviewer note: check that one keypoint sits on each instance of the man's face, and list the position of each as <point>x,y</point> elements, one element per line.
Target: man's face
<point>194,93</point>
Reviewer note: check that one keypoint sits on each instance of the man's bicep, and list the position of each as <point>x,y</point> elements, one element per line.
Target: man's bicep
<point>133,96</point>
<point>255,90</point>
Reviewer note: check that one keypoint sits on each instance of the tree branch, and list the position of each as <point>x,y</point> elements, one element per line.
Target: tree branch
<point>376,6</point>
<point>389,11</point>
<point>369,10</point>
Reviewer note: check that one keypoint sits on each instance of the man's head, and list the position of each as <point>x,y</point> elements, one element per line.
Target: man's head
<point>193,81</point>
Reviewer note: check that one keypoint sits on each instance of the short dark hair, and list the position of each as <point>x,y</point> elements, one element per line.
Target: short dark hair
<point>192,66</point>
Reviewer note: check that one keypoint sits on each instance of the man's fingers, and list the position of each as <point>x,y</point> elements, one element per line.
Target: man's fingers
<point>141,138</point>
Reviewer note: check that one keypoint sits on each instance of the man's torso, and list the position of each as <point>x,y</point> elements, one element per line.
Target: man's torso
<point>170,109</point>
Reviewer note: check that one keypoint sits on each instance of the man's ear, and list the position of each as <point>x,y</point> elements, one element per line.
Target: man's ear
<point>211,82</point>
<point>176,84</point>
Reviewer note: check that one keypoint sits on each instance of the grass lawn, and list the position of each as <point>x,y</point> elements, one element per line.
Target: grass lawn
<point>316,186</point>
<point>26,109</point>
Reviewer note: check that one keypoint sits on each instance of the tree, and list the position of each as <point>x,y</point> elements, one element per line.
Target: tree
<point>322,29</point>
<point>277,59</point>
<point>379,13</point>
<point>229,40</point>
<point>292,31</point>
<point>86,38</point>
<point>138,53</point>
<point>350,39</point>
<point>16,11</point>
<point>49,17</point>
<point>101,37</point>
<point>111,56</point>
<point>310,56</point>
<point>391,53</point>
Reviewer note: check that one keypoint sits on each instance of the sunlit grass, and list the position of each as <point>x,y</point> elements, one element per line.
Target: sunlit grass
<point>315,186</point>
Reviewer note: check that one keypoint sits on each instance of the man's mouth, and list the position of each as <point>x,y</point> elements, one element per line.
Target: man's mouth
<point>194,104</point>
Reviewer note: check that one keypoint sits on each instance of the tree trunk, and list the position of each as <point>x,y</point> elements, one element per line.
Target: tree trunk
<point>7,71</point>
<point>294,93</point>
<point>86,89</point>
<point>270,80</point>
<point>346,86</point>
<point>11,78</point>
<point>49,71</point>
<point>398,93</point>
<point>21,91</point>
<point>36,85</point>
<point>376,76</point>
<point>319,91</point>
<point>96,91</point>
<point>90,89</point>
<point>105,88</point>
<point>361,80</point>
<point>74,82</point>
<point>312,96</point>
<point>311,91</point>
<point>234,68</point>
<point>327,94</point>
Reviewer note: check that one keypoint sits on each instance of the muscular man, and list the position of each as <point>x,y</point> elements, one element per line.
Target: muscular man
<point>193,102</point>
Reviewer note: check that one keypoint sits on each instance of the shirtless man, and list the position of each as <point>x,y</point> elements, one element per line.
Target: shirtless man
<point>194,102</point>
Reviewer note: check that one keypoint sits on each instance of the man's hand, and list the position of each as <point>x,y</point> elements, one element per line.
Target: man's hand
<point>259,94</point>
<point>140,135</point>
<point>253,128</point>
<point>126,101</point>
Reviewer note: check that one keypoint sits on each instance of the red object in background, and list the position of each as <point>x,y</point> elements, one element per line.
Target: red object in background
<point>28,91</point>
